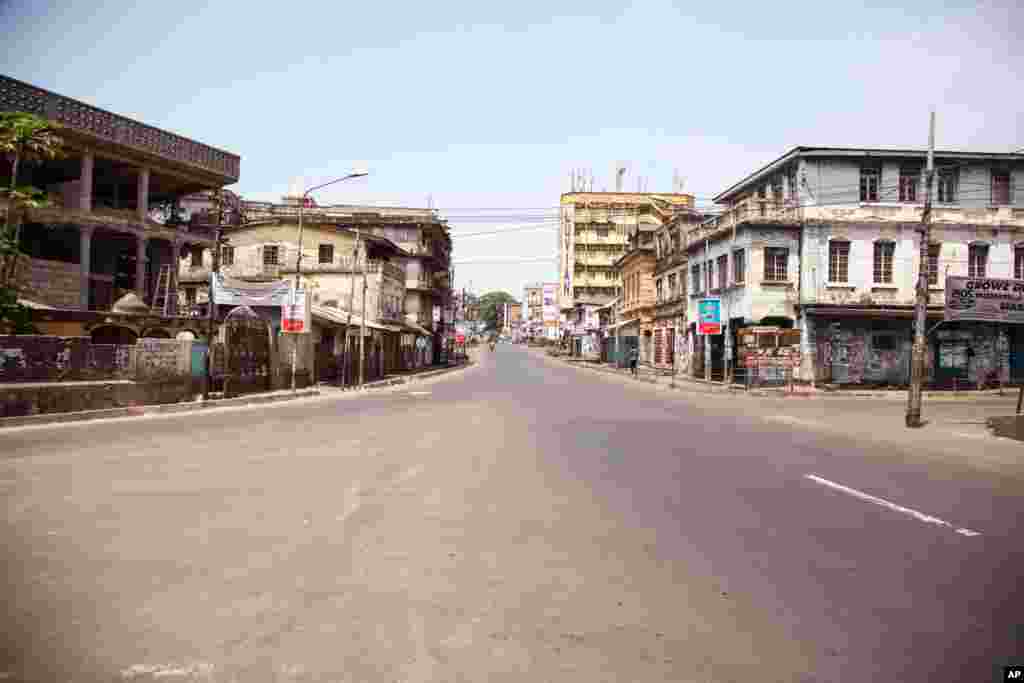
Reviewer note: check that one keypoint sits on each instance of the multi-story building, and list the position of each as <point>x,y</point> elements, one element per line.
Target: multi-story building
<point>595,227</point>
<point>99,240</point>
<point>826,241</point>
<point>670,273</point>
<point>405,287</point>
<point>635,316</point>
<point>540,319</point>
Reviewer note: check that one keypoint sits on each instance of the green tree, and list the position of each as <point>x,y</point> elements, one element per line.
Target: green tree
<point>490,307</point>
<point>24,138</point>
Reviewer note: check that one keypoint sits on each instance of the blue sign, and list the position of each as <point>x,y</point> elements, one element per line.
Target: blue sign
<point>709,316</point>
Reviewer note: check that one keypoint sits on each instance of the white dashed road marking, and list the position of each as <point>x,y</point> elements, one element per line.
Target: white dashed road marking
<point>920,516</point>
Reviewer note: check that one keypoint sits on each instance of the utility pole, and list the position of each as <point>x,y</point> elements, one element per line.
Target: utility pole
<point>211,305</point>
<point>921,308</point>
<point>351,304</point>
<point>362,324</point>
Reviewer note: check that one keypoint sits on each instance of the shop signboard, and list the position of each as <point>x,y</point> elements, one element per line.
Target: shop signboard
<point>709,315</point>
<point>984,299</point>
<point>295,317</point>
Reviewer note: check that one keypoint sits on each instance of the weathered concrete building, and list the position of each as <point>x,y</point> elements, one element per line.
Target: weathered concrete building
<point>635,268</point>
<point>670,274</point>
<point>825,240</point>
<point>98,241</point>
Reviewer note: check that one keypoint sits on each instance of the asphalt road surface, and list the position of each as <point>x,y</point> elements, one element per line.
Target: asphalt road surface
<point>517,521</point>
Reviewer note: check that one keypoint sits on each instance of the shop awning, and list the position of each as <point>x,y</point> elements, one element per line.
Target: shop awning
<point>339,316</point>
<point>869,312</point>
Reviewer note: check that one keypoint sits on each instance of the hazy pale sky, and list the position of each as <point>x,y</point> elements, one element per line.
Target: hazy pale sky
<point>486,107</point>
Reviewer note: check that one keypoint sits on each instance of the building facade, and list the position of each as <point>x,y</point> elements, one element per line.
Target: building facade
<point>593,235</point>
<point>99,239</point>
<point>825,241</point>
<point>670,288</point>
<point>635,326</point>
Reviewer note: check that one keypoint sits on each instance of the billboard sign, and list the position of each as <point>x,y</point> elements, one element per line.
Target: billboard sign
<point>984,299</point>
<point>295,313</point>
<point>709,315</point>
<point>550,294</point>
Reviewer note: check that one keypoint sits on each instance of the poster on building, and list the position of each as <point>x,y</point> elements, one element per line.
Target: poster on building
<point>550,303</point>
<point>709,315</point>
<point>984,299</point>
<point>295,313</point>
<point>228,292</point>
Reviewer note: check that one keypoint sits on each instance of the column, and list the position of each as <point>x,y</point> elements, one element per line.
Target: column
<point>172,294</point>
<point>142,194</point>
<point>85,183</point>
<point>140,267</point>
<point>85,247</point>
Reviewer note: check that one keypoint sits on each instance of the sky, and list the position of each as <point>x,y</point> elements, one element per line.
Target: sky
<point>482,109</point>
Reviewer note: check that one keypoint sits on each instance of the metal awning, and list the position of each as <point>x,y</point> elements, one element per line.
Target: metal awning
<point>341,317</point>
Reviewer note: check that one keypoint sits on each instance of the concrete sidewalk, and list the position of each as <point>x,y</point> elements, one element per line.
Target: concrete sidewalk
<point>682,382</point>
<point>251,399</point>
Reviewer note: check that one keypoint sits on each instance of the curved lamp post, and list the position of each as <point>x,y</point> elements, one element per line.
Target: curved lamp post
<point>358,173</point>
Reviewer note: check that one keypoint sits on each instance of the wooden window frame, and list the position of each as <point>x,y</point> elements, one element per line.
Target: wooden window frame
<point>776,264</point>
<point>870,182</point>
<point>884,253</point>
<point>271,249</point>
<point>320,253</point>
<point>977,267</point>
<point>839,261</point>
<point>739,266</point>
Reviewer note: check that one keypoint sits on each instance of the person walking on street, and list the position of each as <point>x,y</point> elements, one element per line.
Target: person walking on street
<point>634,358</point>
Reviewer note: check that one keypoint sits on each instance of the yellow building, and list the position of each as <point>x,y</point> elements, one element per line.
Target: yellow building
<point>594,230</point>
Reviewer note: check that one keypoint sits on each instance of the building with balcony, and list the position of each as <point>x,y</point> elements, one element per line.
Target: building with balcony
<point>670,301</point>
<point>826,241</point>
<point>635,326</point>
<point>99,239</point>
<point>594,230</point>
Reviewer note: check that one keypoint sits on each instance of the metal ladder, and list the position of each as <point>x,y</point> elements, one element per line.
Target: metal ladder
<point>162,295</point>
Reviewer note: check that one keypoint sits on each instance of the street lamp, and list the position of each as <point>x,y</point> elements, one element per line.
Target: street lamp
<point>358,173</point>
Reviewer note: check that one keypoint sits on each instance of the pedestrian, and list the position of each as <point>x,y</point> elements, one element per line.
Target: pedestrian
<point>634,358</point>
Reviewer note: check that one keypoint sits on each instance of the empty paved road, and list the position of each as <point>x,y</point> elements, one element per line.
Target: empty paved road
<point>519,521</point>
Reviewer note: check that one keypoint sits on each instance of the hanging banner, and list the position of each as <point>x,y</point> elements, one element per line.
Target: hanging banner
<point>235,293</point>
<point>709,315</point>
<point>295,313</point>
<point>984,299</point>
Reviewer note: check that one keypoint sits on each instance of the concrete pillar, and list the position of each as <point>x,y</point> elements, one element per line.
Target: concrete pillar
<point>85,247</point>
<point>85,183</point>
<point>142,194</point>
<point>140,267</point>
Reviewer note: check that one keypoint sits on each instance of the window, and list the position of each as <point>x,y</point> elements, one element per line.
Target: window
<point>775,261</point>
<point>196,257</point>
<point>672,286</point>
<point>602,232</point>
<point>949,182</point>
<point>709,272</point>
<point>883,262</point>
<point>1018,262</point>
<point>762,192</point>
<point>723,271</point>
<point>869,179</point>
<point>695,272</point>
<point>977,259</point>
<point>1000,188</point>
<point>909,180</point>
<point>739,266</point>
<point>270,255</point>
<point>659,290</point>
<point>838,261</point>
<point>791,180</point>
<point>933,264</point>
<point>227,256</point>
<point>326,254</point>
<point>884,342</point>
<point>190,296</point>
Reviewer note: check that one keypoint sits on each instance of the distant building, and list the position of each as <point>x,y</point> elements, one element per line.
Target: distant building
<point>595,227</point>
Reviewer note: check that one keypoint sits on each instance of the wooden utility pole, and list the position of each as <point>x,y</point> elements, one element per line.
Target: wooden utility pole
<point>920,349</point>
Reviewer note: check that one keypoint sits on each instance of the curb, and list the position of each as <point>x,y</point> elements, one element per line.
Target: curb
<point>192,406</point>
<point>703,386</point>
<point>156,409</point>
